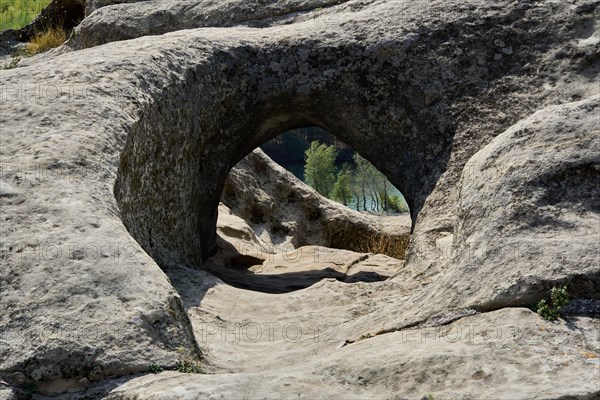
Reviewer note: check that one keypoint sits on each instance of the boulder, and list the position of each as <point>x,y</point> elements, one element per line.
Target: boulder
<point>112,20</point>
<point>528,212</point>
<point>526,215</point>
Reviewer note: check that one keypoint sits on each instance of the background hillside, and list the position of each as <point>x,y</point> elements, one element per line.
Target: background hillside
<point>15,14</point>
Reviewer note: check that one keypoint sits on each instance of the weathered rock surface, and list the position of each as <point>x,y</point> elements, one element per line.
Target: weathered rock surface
<point>246,261</point>
<point>508,250</point>
<point>114,20</point>
<point>438,95</point>
<point>529,211</point>
<point>506,354</point>
<point>278,63</point>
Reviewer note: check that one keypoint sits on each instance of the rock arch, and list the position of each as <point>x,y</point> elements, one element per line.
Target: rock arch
<point>178,155</point>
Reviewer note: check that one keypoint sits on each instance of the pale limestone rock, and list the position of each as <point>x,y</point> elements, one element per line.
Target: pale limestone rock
<point>99,281</point>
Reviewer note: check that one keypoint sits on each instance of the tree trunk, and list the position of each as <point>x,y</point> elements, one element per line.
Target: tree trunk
<point>364,197</point>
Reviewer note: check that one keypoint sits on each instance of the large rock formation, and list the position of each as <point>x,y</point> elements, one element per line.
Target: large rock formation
<point>114,158</point>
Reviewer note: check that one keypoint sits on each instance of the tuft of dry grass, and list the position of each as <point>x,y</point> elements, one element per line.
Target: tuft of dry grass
<point>393,246</point>
<point>369,241</point>
<point>189,363</point>
<point>47,40</point>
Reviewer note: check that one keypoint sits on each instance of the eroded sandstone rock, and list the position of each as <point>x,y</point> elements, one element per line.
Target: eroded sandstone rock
<point>418,88</point>
<point>246,261</point>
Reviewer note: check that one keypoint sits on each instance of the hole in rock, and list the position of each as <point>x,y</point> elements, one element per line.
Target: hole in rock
<point>305,207</point>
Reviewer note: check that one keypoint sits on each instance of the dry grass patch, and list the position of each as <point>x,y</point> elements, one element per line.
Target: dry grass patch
<point>47,40</point>
<point>370,241</point>
<point>393,246</point>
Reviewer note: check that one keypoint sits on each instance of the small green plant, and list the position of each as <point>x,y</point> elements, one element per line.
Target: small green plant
<point>12,63</point>
<point>559,297</point>
<point>155,368</point>
<point>189,366</point>
<point>188,362</point>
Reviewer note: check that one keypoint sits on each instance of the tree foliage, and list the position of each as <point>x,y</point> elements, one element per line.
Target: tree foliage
<point>363,183</point>
<point>319,170</point>
<point>342,189</point>
<point>372,190</point>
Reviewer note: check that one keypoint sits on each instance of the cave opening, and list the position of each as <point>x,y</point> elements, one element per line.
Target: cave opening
<point>280,229</point>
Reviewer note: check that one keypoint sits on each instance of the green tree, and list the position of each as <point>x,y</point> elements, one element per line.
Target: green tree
<point>342,190</point>
<point>397,203</point>
<point>373,189</point>
<point>361,181</point>
<point>319,170</point>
